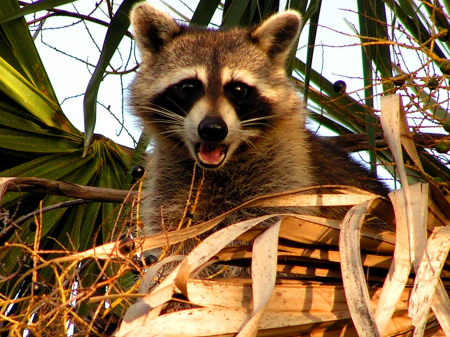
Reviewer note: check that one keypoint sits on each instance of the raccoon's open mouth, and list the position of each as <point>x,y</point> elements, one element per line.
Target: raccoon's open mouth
<point>211,154</point>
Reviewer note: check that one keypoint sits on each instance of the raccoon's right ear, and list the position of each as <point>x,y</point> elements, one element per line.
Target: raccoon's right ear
<point>277,35</point>
<point>152,28</point>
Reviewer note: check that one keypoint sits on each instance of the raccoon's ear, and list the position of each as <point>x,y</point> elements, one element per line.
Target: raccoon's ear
<point>277,34</point>
<point>152,28</point>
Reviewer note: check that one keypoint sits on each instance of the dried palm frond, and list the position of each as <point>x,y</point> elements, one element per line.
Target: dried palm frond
<point>336,279</point>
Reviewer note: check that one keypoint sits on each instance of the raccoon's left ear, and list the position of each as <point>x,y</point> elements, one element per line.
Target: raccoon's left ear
<point>277,34</point>
<point>152,28</point>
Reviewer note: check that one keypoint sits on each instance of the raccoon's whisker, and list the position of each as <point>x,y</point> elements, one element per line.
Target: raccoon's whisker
<point>260,117</point>
<point>261,120</point>
<point>169,122</point>
<point>253,123</point>
<point>177,145</point>
<point>253,146</point>
<point>249,135</point>
<point>167,113</point>
<point>244,116</point>
<point>171,131</point>
<point>178,106</point>
<point>249,143</point>
<point>161,111</point>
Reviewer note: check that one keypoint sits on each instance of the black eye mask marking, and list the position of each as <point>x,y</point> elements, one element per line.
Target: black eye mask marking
<point>179,98</point>
<point>249,104</point>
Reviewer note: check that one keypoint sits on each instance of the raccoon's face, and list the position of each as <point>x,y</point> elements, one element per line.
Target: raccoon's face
<point>210,116</point>
<point>211,92</point>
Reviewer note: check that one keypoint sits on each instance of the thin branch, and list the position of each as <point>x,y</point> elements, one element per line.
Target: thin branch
<point>15,224</point>
<point>53,12</point>
<point>38,185</point>
<point>64,204</point>
<point>358,142</point>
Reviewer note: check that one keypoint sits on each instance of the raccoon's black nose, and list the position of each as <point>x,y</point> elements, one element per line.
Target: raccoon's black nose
<point>212,129</point>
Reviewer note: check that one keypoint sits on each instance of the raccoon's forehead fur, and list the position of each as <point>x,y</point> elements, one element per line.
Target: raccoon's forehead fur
<point>211,51</point>
<point>213,57</point>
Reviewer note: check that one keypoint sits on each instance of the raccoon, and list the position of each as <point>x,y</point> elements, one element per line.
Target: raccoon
<point>226,122</point>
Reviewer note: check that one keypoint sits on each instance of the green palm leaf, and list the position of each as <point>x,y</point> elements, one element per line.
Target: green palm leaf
<point>37,140</point>
<point>116,31</point>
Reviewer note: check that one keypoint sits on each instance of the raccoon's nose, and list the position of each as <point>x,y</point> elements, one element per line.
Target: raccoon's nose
<point>212,129</point>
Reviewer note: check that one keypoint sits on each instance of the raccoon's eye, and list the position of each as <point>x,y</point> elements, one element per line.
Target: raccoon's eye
<point>239,90</point>
<point>189,87</point>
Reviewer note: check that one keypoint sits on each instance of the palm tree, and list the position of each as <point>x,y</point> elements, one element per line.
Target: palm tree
<point>404,50</point>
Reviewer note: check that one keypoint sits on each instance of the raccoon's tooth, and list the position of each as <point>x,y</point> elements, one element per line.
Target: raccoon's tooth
<point>211,154</point>
<point>211,158</point>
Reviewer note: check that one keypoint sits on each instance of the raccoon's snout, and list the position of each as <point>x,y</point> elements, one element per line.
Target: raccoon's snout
<point>210,151</point>
<point>212,129</point>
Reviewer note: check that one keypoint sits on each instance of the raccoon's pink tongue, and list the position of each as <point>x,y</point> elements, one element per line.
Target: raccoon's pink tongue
<point>211,154</point>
